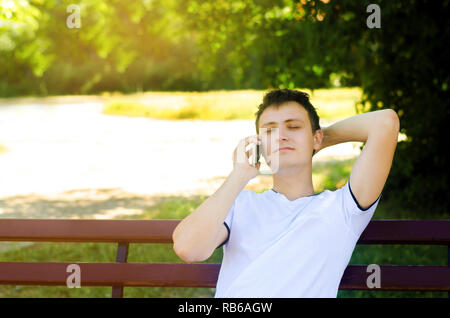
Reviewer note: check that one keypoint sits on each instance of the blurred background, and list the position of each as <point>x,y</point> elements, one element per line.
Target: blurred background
<point>132,109</point>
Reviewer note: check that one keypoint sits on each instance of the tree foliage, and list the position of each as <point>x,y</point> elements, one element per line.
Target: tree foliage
<point>400,66</point>
<point>121,46</point>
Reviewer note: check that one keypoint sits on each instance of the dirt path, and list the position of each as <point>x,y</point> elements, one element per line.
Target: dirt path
<point>71,161</point>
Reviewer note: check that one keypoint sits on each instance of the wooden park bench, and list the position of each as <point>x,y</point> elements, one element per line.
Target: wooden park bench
<point>123,232</point>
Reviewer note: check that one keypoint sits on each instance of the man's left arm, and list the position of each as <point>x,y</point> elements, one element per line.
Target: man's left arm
<point>379,131</point>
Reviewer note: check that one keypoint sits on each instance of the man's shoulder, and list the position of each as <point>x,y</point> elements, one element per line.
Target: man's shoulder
<point>252,196</point>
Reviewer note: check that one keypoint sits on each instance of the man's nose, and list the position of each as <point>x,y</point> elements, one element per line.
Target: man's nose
<point>282,134</point>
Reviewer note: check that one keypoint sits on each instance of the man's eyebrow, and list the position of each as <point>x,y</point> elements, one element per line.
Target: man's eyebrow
<point>286,121</point>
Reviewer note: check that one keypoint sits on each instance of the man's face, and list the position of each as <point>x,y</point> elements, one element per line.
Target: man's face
<point>295,132</point>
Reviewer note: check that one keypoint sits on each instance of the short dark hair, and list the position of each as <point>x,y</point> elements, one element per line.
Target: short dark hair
<point>278,97</point>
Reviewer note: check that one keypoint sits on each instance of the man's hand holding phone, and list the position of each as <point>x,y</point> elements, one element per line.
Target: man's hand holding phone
<point>241,157</point>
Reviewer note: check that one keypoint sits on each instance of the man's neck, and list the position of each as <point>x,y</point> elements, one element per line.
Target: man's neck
<point>294,185</point>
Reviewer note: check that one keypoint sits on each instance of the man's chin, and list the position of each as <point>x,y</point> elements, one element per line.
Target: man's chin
<point>285,169</point>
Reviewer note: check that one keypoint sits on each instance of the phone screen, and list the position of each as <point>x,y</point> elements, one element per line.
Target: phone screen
<point>258,154</point>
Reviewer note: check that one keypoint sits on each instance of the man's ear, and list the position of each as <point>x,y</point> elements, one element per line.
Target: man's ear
<point>317,139</point>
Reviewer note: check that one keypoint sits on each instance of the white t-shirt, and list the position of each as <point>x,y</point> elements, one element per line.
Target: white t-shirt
<point>281,248</point>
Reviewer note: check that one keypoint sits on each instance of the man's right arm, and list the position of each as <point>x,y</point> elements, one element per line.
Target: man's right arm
<point>197,236</point>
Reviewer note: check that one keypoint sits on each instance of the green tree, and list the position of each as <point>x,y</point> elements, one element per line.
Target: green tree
<point>125,46</point>
<point>324,42</point>
<point>23,54</point>
<point>400,66</point>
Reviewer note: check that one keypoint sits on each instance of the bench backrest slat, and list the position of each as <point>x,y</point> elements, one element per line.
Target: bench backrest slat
<point>430,232</point>
<point>63,230</point>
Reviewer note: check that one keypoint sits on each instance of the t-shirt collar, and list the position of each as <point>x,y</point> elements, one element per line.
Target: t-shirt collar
<point>281,197</point>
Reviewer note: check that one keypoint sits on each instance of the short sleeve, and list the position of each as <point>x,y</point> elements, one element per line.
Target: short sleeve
<point>228,222</point>
<point>355,216</point>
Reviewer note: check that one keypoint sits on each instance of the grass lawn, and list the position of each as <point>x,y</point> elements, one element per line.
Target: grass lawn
<point>331,104</point>
<point>325,176</point>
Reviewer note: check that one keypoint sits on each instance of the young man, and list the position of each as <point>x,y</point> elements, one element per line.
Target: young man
<point>289,241</point>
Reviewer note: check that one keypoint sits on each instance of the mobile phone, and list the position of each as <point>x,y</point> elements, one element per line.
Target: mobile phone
<point>269,163</point>
<point>256,154</point>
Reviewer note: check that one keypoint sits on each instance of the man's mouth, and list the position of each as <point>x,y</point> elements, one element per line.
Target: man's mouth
<point>285,148</point>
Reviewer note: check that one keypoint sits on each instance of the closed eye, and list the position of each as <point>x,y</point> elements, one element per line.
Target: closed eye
<point>291,127</point>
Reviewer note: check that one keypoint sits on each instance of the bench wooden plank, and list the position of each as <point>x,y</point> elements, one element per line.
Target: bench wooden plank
<point>111,274</point>
<point>399,277</point>
<point>420,278</point>
<point>69,230</point>
<point>429,232</point>
<point>426,232</point>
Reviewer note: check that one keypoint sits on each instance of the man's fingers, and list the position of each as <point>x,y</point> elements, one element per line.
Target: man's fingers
<point>240,154</point>
<point>251,139</point>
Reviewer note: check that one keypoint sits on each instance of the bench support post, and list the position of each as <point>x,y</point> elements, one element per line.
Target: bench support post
<point>122,255</point>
